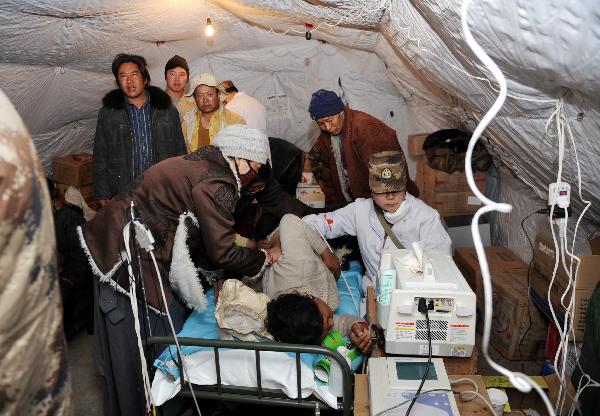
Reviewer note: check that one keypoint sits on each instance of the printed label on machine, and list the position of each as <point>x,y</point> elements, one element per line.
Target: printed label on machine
<point>458,351</point>
<point>458,333</point>
<point>405,330</point>
<point>424,349</point>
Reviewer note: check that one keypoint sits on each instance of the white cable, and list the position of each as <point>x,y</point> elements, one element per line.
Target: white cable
<point>133,298</point>
<point>136,323</point>
<point>474,393</point>
<point>356,305</point>
<point>183,365</point>
<point>519,380</point>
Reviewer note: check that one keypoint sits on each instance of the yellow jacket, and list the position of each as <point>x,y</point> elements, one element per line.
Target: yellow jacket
<point>190,121</point>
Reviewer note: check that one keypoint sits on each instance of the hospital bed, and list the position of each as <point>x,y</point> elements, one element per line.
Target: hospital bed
<point>267,373</point>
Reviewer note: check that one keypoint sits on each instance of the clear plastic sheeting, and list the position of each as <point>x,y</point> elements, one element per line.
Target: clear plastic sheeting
<point>404,61</point>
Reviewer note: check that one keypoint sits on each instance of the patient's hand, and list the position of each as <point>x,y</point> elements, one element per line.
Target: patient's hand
<point>332,262</point>
<point>361,336</point>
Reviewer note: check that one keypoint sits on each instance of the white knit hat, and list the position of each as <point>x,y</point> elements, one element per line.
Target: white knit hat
<point>245,142</point>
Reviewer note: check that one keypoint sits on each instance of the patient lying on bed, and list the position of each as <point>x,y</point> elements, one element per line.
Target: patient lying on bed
<point>302,284</point>
<point>304,319</point>
<point>303,291</point>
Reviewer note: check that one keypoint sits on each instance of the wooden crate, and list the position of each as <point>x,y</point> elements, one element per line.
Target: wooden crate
<point>74,170</point>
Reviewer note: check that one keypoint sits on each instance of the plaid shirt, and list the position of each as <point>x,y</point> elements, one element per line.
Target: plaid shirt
<point>141,125</point>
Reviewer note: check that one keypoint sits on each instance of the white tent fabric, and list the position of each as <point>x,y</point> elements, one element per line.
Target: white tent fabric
<point>405,62</point>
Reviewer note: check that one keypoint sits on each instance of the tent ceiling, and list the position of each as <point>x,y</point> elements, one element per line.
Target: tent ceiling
<point>390,56</point>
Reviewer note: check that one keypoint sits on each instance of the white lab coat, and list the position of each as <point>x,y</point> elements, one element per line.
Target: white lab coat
<point>421,223</point>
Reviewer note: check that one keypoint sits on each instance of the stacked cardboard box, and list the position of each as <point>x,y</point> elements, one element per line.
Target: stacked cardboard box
<point>415,144</point>
<point>513,334</point>
<point>308,190</point>
<point>588,276</point>
<point>449,193</point>
<point>74,170</point>
<point>498,258</point>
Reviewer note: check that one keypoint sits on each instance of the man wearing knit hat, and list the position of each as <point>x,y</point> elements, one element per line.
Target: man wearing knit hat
<point>407,219</point>
<point>340,155</point>
<point>177,74</point>
<point>203,112</point>
<point>188,204</point>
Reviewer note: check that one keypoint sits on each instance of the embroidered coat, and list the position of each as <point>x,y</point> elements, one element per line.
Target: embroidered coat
<point>188,204</point>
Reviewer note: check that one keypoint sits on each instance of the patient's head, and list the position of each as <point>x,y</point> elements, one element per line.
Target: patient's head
<point>299,319</point>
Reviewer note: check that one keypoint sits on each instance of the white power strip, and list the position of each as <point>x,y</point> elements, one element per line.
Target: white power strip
<point>559,193</point>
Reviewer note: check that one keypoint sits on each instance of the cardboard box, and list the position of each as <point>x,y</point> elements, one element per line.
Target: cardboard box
<point>311,196</point>
<point>451,203</point>
<point>74,170</point>
<point>437,181</point>
<point>498,258</point>
<point>462,366</point>
<point>541,276</point>
<point>510,319</point>
<point>419,174</point>
<point>415,144</point>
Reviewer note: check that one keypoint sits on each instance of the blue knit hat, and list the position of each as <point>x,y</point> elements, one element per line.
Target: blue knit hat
<point>325,103</point>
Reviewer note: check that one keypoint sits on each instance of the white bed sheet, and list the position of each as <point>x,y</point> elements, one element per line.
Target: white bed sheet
<point>238,368</point>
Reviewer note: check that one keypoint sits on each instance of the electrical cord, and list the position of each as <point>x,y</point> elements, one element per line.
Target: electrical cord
<point>528,282</point>
<point>356,305</point>
<point>474,393</point>
<point>425,310</point>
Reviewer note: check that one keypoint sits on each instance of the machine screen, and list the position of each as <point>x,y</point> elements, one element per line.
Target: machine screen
<point>414,370</point>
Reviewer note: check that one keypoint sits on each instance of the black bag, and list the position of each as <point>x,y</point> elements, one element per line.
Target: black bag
<point>446,149</point>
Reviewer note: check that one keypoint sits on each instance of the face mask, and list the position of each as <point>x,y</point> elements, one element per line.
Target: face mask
<point>248,181</point>
<point>400,213</point>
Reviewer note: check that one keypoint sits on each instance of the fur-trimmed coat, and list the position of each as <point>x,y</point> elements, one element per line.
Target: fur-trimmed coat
<point>188,203</point>
<point>113,150</point>
<point>363,135</point>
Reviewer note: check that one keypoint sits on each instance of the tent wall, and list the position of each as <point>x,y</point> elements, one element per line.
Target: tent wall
<point>406,57</point>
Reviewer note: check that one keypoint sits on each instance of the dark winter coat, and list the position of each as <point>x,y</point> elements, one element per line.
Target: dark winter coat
<point>362,135</point>
<point>113,150</point>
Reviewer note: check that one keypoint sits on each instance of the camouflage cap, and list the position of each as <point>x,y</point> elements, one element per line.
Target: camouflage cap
<point>387,172</point>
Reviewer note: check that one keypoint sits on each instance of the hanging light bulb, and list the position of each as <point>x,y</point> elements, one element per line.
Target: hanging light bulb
<point>210,30</point>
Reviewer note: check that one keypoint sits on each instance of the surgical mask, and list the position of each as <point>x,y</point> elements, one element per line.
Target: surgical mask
<point>250,181</point>
<point>399,214</point>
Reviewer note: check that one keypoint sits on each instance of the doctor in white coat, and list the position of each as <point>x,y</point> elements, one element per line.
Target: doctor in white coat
<point>408,219</point>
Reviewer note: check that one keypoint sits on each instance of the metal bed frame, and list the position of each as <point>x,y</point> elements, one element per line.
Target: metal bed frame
<point>259,395</point>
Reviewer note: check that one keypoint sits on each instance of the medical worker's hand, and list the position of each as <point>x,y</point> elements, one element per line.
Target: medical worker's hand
<point>361,336</point>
